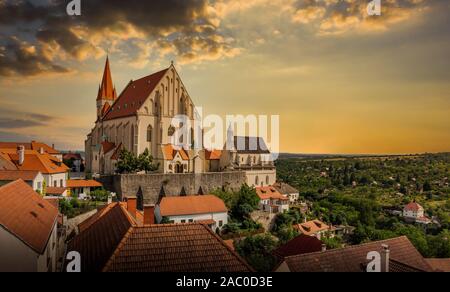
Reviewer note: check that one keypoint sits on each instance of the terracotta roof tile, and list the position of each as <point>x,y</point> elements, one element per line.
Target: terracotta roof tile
<point>27,215</point>
<point>134,96</point>
<point>190,205</point>
<point>174,248</point>
<point>353,258</point>
<point>439,265</point>
<point>413,207</point>
<point>300,245</point>
<point>285,188</point>
<point>55,191</point>
<point>213,155</point>
<point>98,241</point>
<point>45,163</point>
<point>265,193</point>
<point>107,90</point>
<point>311,227</point>
<point>12,175</point>
<point>29,146</point>
<point>81,183</point>
<point>170,153</point>
<point>108,147</point>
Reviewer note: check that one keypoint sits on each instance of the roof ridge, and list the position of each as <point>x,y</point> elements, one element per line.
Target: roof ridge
<point>348,247</point>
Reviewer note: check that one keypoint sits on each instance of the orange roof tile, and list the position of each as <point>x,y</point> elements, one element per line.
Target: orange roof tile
<point>27,215</point>
<point>108,147</point>
<point>311,227</point>
<point>354,258</point>
<point>45,163</point>
<point>439,265</point>
<point>170,153</point>
<point>55,191</point>
<point>12,175</point>
<point>107,90</point>
<point>81,183</point>
<point>266,193</point>
<point>213,155</point>
<point>190,205</point>
<point>413,207</point>
<point>29,146</point>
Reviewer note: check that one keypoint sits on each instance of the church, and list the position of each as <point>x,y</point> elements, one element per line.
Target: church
<point>141,117</point>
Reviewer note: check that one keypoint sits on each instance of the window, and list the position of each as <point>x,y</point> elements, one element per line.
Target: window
<point>183,221</point>
<point>257,180</point>
<point>191,220</point>
<point>267,180</point>
<point>149,133</point>
<point>220,223</point>
<point>55,184</point>
<point>61,183</point>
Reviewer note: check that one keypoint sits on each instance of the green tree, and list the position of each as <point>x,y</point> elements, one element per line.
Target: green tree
<point>257,251</point>
<point>130,163</point>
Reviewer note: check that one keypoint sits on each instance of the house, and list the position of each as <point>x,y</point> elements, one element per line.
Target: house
<point>33,178</point>
<point>413,212</point>
<point>145,247</point>
<point>315,228</point>
<point>396,255</point>
<point>82,187</point>
<point>300,245</point>
<point>439,265</point>
<point>36,146</point>
<point>28,230</point>
<point>271,200</point>
<point>285,189</point>
<point>54,171</point>
<point>207,209</point>
<point>250,155</point>
<point>76,161</point>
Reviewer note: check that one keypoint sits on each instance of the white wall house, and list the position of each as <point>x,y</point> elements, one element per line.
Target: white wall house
<point>207,209</point>
<point>34,179</point>
<point>28,235</point>
<point>271,200</point>
<point>413,211</point>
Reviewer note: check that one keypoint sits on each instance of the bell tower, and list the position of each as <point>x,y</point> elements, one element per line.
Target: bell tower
<point>106,92</point>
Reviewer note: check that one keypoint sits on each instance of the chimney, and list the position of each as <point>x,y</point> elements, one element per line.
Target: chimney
<point>385,258</point>
<point>21,154</point>
<point>149,214</point>
<point>131,206</point>
<point>109,199</point>
<point>41,150</point>
<point>324,247</point>
<point>53,146</point>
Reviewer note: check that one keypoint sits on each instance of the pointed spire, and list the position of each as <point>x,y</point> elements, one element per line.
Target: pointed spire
<point>107,90</point>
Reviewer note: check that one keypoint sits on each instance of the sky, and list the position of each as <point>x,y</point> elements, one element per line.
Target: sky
<point>340,80</point>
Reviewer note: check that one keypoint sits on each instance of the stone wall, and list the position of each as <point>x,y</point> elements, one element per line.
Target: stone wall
<point>150,187</point>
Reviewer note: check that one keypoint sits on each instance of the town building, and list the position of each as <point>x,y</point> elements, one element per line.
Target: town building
<point>396,255</point>
<point>287,190</point>
<point>28,230</point>
<point>414,212</point>
<point>82,187</point>
<point>315,228</point>
<point>76,161</point>
<point>53,170</point>
<point>140,119</point>
<point>133,246</point>
<point>33,178</point>
<point>207,209</point>
<point>34,145</point>
<point>271,200</point>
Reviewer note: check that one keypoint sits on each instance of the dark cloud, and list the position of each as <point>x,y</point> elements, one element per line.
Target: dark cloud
<point>178,22</point>
<point>13,119</point>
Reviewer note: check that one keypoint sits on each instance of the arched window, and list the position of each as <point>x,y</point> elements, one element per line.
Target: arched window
<point>61,183</point>
<point>149,133</point>
<point>257,180</point>
<point>267,180</point>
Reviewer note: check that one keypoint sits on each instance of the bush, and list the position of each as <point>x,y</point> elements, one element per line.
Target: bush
<point>257,251</point>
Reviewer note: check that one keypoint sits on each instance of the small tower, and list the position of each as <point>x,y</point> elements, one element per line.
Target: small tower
<point>106,92</point>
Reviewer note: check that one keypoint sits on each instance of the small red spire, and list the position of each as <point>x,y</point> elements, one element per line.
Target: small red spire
<point>107,89</point>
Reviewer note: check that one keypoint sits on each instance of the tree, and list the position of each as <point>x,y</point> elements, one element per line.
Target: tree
<point>145,162</point>
<point>427,186</point>
<point>100,195</point>
<point>130,163</point>
<point>257,251</point>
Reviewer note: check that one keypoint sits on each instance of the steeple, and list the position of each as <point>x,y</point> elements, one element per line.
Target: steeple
<point>107,91</point>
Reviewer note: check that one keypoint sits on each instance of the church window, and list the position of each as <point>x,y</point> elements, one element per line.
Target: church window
<point>257,180</point>
<point>149,133</point>
<point>171,131</point>
<point>135,138</point>
<point>267,180</point>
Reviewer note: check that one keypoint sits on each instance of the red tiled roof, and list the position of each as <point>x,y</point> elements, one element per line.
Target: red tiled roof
<point>45,163</point>
<point>174,248</point>
<point>413,207</point>
<point>134,96</point>
<point>97,242</point>
<point>55,191</point>
<point>439,265</point>
<point>300,245</point>
<point>311,227</point>
<point>29,146</point>
<point>190,205</point>
<point>353,258</point>
<point>27,215</point>
<point>116,154</point>
<point>108,146</point>
<point>12,175</point>
<point>265,193</point>
<point>170,153</point>
<point>213,155</point>
<point>74,156</point>
<point>81,183</point>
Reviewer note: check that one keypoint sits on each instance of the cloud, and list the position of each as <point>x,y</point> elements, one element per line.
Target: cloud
<point>15,119</point>
<point>187,28</point>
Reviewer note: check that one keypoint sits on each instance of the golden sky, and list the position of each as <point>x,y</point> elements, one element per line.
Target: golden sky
<point>341,81</point>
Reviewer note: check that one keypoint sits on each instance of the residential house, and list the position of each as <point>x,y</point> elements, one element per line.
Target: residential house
<point>36,146</point>
<point>76,161</point>
<point>413,212</point>
<point>54,171</point>
<point>134,247</point>
<point>300,245</point>
<point>396,255</point>
<point>33,178</point>
<point>315,228</point>
<point>82,187</point>
<point>207,209</point>
<point>28,230</point>
<point>271,200</point>
<point>287,190</point>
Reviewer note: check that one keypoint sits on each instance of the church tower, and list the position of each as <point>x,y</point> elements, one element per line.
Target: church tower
<point>106,92</point>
